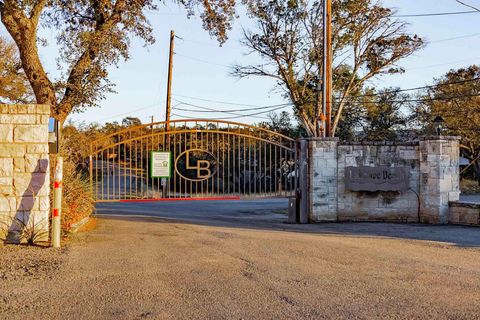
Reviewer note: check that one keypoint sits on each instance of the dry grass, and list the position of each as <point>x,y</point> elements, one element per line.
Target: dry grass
<point>468,186</point>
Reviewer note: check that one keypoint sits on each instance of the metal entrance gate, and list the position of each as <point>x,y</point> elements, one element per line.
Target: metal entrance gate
<point>209,159</point>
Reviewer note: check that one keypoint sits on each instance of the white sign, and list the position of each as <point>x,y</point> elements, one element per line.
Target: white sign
<point>160,164</point>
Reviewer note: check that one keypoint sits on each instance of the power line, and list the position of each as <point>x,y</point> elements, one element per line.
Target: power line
<point>254,107</point>
<point>229,112</point>
<point>202,61</point>
<point>218,46</point>
<point>434,14</point>
<point>419,100</point>
<point>128,113</point>
<point>442,64</point>
<point>223,118</point>
<point>205,109</point>
<point>420,88</point>
<point>455,38</point>
<point>468,5</point>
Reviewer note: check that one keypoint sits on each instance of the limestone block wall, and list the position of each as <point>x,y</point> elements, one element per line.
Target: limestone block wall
<point>433,180</point>
<point>381,205</point>
<point>464,213</point>
<point>439,181</point>
<point>323,175</point>
<point>24,170</point>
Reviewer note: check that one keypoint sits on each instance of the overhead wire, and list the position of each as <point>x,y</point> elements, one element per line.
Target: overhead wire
<point>420,88</point>
<point>129,112</point>
<point>254,107</point>
<point>435,14</point>
<point>206,109</point>
<point>455,38</point>
<point>417,100</point>
<point>256,114</point>
<point>201,60</point>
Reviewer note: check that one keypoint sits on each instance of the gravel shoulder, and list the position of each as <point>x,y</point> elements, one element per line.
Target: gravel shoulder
<point>163,269</point>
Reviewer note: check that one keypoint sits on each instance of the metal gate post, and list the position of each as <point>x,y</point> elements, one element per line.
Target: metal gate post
<point>303,181</point>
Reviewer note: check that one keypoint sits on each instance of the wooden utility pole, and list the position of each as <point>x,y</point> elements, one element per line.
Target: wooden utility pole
<point>169,83</point>
<point>327,67</point>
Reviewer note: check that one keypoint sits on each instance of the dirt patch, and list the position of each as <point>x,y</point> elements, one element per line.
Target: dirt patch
<point>19,262</point>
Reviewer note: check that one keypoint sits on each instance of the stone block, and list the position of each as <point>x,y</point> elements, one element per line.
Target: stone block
<point>27,203</point>
<point>19,164</point>
<point>43,203</point>
<point>11,150</point>
<point>22,108</point>
<point>32,109</point>
<point>30,133</point>
<point>6,133</point>
<point>446,184</point>
<point>6,167</point>
<point>42,119</point>
<point>18,118</point>
<point>7,204</point>
<point>28,184</point>
<point>43,109</point>
<point>5,189</point>
<point>37,148</point>
<point>34,163</point>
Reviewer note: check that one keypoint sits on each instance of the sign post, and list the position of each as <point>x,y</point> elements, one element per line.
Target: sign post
<point>57,203</point>
<point>161,167</point>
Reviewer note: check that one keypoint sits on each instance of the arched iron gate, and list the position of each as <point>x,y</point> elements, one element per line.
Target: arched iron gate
<point>210,159</point>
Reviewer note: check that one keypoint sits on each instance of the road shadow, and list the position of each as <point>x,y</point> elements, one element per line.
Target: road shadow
<point>267,217</point>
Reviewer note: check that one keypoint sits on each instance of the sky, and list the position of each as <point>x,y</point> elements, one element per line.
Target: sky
<point>201,67</point>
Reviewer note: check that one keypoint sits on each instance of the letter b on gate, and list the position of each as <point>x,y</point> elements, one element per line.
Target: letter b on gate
<point>196,164</point>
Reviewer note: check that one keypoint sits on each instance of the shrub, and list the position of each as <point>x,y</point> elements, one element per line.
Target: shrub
<point>78,201</point>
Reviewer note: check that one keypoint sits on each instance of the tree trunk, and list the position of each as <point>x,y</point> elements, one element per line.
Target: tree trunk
<point>24,32</point>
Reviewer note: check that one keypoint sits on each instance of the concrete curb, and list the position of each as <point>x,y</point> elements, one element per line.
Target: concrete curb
<point>76,226</point>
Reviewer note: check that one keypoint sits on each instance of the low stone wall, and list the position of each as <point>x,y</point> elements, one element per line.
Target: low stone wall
<point>379,205</point>
<point>24,171</point>
<point>431,167</point>
<point>464,213</point>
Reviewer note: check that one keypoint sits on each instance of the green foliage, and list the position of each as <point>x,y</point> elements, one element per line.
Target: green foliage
<point>385,116</point>
<point>281,123</point>
<point>13,84</point>
<point>367,42</point>
<point>456,98</point>
<point>93,35</point>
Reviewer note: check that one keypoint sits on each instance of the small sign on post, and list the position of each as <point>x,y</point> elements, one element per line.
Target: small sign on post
<point>160,164</point>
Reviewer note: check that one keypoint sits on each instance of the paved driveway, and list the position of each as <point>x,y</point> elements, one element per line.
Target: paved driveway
<point>271,214</point>
<point>221,261</point>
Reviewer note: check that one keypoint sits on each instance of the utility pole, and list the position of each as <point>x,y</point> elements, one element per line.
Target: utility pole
<point>169,84</point>
<point>327,68</point>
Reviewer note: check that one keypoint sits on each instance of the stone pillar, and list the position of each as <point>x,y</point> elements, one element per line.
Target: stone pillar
<point>439,177</point>
<point>323,179</point>
<point>24,171</point>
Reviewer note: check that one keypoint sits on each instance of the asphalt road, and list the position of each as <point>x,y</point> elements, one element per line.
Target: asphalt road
<point>240,260</point>
<point>271,214</point>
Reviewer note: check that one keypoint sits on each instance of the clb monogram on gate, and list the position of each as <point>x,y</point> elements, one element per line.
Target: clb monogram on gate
<point>196,164</point>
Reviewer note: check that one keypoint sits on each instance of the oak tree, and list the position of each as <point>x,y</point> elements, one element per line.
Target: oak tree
<point>456,98</point>
<point>368,41</point>
<point>92,35</point>
<point>14,86</point>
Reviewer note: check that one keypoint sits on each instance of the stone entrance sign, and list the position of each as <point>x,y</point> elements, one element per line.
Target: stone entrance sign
<point>380,178</point>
